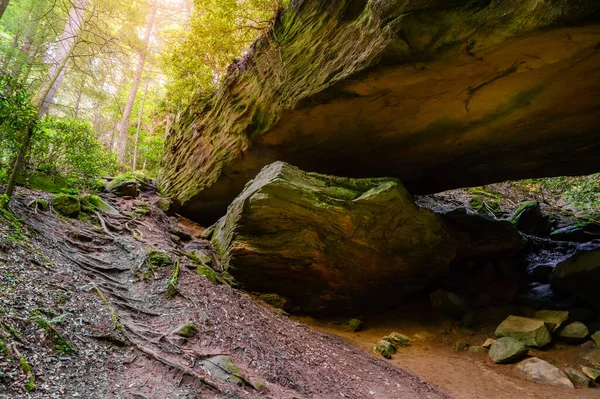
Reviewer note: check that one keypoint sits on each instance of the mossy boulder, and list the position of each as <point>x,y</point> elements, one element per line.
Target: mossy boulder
<point>42,204</point>
<point>578,232</point>
<point>385,348</point>
<point>123,186</point>
<point>157,259</point>
<point>573,332</point>
<point>554,319</point>
<point>331,244</point>
<point>398,340</point>
<point>530,219</point>
<point>187,330</point>
<point>531,332</point>
<point>507,350</point>
<point>593,374</point>
<point>579,379</point>
<point>224,368</point>
<point>92,202</point>
<point>66,204</point>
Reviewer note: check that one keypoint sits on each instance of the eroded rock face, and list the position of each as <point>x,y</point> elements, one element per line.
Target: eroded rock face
<point>331,244</point>
<point>441,94</point>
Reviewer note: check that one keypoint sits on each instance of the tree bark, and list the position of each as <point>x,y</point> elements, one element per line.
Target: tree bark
<point>139,125</point>
<point>124,126</point>
<point>3,6</point>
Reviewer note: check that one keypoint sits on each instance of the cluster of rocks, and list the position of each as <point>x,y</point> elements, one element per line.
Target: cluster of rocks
<point>517,335</point>
<point>389,344</point>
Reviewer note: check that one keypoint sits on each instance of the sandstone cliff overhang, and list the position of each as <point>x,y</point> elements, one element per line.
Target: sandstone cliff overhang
<point>441,94</point>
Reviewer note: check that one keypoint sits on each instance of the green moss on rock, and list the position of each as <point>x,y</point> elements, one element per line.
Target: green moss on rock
<point>66,204</point>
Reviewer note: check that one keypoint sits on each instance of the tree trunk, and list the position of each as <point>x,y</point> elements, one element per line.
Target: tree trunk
<point>66,46</point>
<point>124,126</point>
<point>139,125</point>
<point>3,6</point>
<point>79,96</point>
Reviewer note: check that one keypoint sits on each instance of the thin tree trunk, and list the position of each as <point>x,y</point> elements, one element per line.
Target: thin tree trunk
<point>139,125</point>
<point>3,6</point>
<point>66,46</point>
<point>124,126</point>
<point>79,96</point>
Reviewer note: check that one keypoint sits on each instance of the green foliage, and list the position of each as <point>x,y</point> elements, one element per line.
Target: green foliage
<point>14,223</point>
<point>68,148</point>
<point>581,193</point>
<point>16,114</point>
<point>219,31</point>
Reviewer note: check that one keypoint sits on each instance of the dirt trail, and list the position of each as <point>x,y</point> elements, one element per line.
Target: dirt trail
<point>95,267</point>
<point>463,375</point>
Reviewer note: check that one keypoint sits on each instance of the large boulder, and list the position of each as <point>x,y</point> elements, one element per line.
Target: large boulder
<point>330,244</point>
<point>542,372</point>
<point>532,332</point>
<point>529,219</point>
<point>574,332</point>
<point>441,94</point>
<point>579,274</point>
<point>507,350</point>
<point>553,318</point>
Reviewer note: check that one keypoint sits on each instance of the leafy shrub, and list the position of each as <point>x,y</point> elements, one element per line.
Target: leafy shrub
<point>68,148</point>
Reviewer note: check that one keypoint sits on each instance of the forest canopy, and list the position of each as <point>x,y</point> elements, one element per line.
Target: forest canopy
<point>92,87</point>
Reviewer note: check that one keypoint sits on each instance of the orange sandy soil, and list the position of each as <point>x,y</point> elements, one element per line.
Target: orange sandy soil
<point>462,375</point>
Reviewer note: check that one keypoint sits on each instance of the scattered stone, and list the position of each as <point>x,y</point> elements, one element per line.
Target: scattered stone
<point>542,372</point>
<point>594,357</point>
<point>553,318</point>
<point>507,350</point>
<point>224,368</point>
<point>122,188</point>
<point>596,338</point>
<point>461,346</point>
<point>448,303</point>
<point>579,274</point>
<point>42,204</point>
<point>529,219</point>
<point>578,378</point>
<point>574,332</point>
<point>169,206</point>
<point>385,349</point>
<point>175,238</point>
<point>478,350</point>
<point>66,204</point>
<point>355,325</point>
<point>532,332</point>
<point>488,343</point>
<point>593,374</point>
<point>94,202</point>
<point>356,243</point>
<point>142,211</point>
<point>398,340</point>
<point>187,330</point>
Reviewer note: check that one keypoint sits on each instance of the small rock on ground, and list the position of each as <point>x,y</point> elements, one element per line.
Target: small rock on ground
<point>542,372</point>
